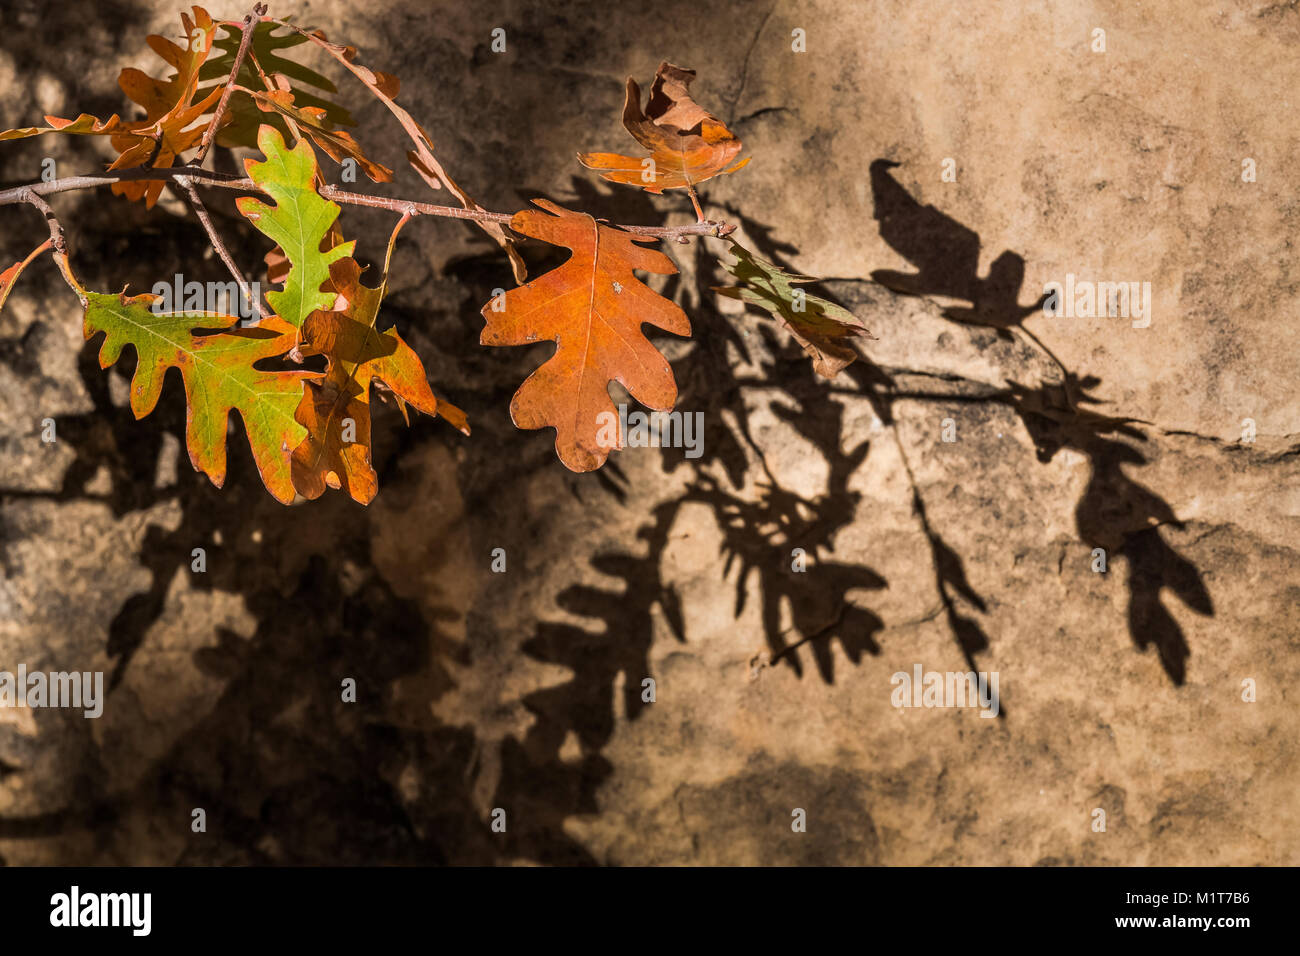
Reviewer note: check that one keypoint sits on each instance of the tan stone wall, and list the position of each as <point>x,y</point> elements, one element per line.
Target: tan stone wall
<point>1120,691</point>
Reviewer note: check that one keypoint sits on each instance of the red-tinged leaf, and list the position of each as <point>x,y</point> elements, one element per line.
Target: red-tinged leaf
<point>10,275</point>
<point>593,307</point>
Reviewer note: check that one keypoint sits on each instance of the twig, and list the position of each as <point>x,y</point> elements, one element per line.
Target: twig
<point>157,148</point>
<point>201,211</point>
<point>59,241</point>
<point>246,39</point>
<point>205,177</point>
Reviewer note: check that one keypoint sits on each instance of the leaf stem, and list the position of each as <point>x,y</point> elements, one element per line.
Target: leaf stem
<point>695,201</point>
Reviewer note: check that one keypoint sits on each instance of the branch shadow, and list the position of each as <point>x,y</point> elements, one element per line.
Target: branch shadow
<point>533,773</point>
<point>946,256</point>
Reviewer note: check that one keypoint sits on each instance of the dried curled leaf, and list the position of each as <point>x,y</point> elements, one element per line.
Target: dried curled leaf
<point>217,368</point>
<point>593,307</point>
<point>311,121</point>
<point>687,144</point>
<point>336,411</point>
<point>85,125</point>
<point>298,222</point>
<point>821,327</point>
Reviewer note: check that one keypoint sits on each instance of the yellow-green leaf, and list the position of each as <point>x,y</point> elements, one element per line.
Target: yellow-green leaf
<point>217,369</point>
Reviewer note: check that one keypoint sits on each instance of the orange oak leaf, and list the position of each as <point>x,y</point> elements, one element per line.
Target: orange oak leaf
<point>166,131</point>
<point>687,143</point>
<point>85,124</point>
<point>136,138</point>
<point>336,411</point>
<point>159,97</point>
<point>170,110</point>
<point>593,307</point>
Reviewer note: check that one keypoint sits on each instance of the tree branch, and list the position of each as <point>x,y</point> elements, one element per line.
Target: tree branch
<point>205,177</point>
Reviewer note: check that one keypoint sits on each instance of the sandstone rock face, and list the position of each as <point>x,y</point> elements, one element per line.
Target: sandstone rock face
<point>1158,695</point>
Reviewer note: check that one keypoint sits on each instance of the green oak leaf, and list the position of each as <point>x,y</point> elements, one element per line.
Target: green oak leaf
<point>298,223</point>
<point>267,47</point>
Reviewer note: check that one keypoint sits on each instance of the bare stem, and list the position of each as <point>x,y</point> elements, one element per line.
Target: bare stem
<point>202,212</point>
<point>695,201</point>
<point>246,39</point>
<point>59,241</point>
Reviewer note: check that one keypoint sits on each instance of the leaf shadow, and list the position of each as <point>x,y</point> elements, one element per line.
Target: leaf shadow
<point>1115,512</point>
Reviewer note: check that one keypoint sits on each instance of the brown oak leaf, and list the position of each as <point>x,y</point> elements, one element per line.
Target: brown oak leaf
<point>336,411</point>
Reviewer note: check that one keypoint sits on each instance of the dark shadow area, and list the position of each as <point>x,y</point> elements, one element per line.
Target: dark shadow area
<point>946,256</point>
<point>286,772</point>
<point>785,539</point>
<point>533,773</point>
